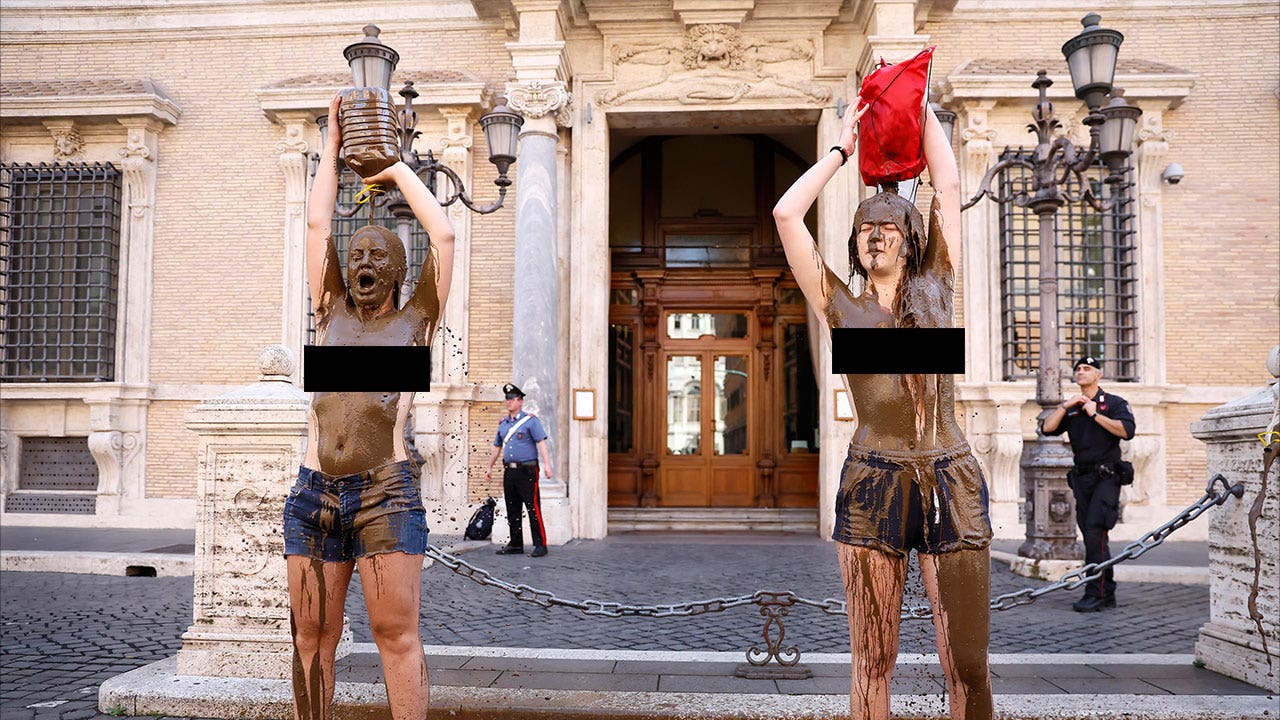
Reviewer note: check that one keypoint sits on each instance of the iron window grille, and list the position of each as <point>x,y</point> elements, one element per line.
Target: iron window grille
<point>59,271</point>
<point>349,184</point>
<point>1097,284</point>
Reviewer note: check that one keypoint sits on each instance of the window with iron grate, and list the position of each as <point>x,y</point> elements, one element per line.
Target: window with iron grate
<point>348,186</point>
<point>59,271</point>
<point>1097,283</point>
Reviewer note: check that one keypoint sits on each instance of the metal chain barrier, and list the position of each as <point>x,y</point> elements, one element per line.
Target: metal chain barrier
<point>770,601</point>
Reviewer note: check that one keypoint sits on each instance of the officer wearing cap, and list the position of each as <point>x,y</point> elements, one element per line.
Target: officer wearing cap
<point>1095,421</point>
<point>520,440</point>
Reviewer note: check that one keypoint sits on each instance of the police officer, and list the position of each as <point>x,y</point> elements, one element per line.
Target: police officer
<point>1095,421</point>
<point>521,440</point>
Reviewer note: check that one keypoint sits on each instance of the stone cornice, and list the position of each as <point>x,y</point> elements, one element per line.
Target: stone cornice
<point>276,102</point>
<point>79,392</point>
<point>150,105</point>
<point>962,88</point>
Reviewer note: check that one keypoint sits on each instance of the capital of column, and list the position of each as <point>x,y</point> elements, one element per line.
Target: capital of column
<point>456,143</point>
<point>540,98</point>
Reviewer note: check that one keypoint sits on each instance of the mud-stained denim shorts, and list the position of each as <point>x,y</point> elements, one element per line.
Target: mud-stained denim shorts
<point>339,519</point>
<point>931,502</point>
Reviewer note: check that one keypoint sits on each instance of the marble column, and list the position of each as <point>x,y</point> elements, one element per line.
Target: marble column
<point>535,306</point>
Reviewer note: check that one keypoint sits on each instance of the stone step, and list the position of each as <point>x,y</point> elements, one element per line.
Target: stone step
<point>528,683</point>
<point>796,520</point>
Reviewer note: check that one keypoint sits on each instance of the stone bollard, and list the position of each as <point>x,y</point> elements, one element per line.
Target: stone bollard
<point>251,443</point>
<point>1229,643</point>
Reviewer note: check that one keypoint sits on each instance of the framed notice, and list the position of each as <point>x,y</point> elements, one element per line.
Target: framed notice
<point>844,408</point>
<point>584,404</point>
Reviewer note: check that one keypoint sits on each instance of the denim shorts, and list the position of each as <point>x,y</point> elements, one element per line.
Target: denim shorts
<point>933,501</point>
<point>339,519</point>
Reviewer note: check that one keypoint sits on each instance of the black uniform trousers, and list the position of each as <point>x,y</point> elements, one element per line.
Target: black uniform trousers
<point>1097,493</point>
<point>520,490</point>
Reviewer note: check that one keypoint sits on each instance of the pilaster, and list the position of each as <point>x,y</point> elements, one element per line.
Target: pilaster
<point>138,160</point>
<point>295,160</point>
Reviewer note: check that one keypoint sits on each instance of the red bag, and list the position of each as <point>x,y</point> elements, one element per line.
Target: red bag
<point>891,134</point>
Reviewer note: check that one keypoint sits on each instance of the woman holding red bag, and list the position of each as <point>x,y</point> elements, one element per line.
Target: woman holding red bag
<point>910,480</point>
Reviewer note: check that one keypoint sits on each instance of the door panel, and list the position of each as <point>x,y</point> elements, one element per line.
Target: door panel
<point>684,484</point>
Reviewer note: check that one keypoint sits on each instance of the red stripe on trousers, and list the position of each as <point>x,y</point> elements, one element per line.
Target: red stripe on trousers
<point>537,510</point>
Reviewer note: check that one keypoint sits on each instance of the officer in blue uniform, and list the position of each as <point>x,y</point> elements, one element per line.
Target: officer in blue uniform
<point>1095,422</point>
<point>520,440</point>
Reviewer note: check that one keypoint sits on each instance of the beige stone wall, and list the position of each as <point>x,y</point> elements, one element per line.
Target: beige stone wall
<point>1220,223</point>
<point>1221,234</point>
<point>485,417</point>
<point>219,227</point>
<point>173,459</point>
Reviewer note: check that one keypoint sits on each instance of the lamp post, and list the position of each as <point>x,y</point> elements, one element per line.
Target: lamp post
<point>372,63</point>
<point>1091,57</point>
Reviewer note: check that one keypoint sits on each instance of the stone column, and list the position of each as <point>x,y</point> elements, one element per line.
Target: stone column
<point>535,306</point>
<point>295,164</point>
<point>836,205</point>
<point>441,418</point>
<point>1231,643</point>
<point>588,451</point>
<point>251,444</point>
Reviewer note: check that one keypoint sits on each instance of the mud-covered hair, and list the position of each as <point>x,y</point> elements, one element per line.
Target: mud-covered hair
<point>904,214</point>
<point>395,248</point>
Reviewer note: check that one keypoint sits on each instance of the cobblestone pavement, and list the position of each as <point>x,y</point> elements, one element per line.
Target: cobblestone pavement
<point>61,635</point>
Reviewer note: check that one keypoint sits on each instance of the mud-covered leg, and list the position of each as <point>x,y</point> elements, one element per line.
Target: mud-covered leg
<point>317,593</point>
<point>392,589</point>
<point>873,582</point>
<point>959,588</point>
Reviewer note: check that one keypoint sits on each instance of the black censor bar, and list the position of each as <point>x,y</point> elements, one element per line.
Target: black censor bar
<point>910,351</point>
<point>366,368</point>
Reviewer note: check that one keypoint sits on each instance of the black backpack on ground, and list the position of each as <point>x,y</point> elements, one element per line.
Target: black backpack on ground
<point>480,526</point>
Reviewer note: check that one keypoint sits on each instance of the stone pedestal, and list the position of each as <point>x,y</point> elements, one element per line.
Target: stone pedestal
<point>251,444</point>
<point>1050,506</point>
<point>1230,643</point>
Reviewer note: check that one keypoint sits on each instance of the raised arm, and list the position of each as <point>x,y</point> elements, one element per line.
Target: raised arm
<point>801,250</point>
<point>944,218</point>
<point>324,276</point>
<point>437,271</point>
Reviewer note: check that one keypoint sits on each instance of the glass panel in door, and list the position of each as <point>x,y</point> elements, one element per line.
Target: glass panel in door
<point>684,398</point>
<point>730,404</point>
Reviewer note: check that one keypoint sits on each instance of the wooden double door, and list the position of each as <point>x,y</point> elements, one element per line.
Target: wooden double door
<point>712,400</point>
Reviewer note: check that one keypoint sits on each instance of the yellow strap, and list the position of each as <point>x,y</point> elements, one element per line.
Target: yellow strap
<point>368,193</point>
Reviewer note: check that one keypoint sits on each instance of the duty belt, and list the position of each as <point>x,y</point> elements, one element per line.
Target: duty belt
<point>518,465</point>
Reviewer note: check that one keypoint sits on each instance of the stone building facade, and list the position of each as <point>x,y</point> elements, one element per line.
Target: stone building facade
<point>613,234</point>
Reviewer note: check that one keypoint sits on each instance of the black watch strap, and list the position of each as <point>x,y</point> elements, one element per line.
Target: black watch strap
<point>844,156</point>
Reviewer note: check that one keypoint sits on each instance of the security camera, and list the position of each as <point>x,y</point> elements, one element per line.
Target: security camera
<point>1172,174</point>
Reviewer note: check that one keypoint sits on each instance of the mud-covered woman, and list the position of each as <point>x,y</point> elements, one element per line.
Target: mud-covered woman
<point>356,502</point>
<point>910,480</point>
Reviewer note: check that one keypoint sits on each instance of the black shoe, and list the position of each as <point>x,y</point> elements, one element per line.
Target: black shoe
<point>510,550</point>
<point>1093,604</point>
<point>538,551</point>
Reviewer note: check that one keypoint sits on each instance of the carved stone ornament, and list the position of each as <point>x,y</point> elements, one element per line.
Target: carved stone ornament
<point>67,143</point>
<point>713,63</point>
<point>537,98</point>
<point>711,43</point>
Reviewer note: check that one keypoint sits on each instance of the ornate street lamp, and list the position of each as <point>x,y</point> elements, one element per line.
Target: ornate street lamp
<point>1091,56</point>
<point>946,119</point>
<point>372,63</point>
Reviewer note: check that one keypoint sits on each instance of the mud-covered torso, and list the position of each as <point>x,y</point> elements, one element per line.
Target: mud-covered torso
<point>355,431</point>
<point>896,411</point>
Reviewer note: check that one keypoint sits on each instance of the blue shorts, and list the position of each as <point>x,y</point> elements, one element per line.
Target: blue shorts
<point>339,519</point>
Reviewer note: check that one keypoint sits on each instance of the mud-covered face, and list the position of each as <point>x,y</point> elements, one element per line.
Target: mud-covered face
<point>374,269</point>
<point>880,241</point>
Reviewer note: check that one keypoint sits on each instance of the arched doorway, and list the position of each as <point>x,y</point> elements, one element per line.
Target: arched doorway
<point>712,400</point>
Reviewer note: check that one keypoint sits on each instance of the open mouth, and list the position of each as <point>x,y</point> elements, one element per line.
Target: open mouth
<point>366,280</point>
